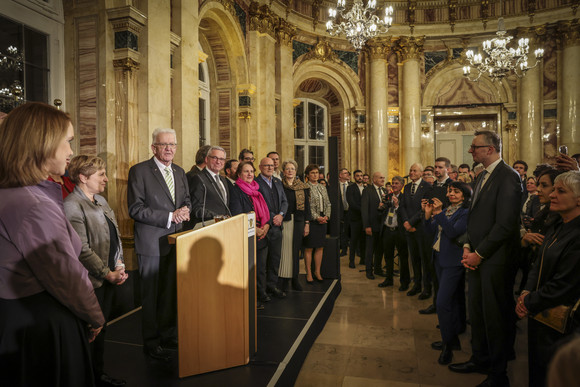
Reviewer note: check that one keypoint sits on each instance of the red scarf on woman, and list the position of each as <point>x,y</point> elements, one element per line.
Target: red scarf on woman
<point>260,206</point>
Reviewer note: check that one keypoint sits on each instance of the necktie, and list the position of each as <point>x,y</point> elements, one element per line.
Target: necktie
<point>344,202</point>
<point>169,180</point>
<point>413,187</point>
<point>221,190</point>
<point>478,186</point>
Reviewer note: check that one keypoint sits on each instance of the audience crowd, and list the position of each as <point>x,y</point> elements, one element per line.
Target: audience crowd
<point>440,229</point>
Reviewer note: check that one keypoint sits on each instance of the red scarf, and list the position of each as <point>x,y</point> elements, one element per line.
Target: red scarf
<point>260,206</point>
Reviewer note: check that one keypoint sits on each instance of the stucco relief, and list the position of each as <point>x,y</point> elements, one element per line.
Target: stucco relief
<point>462,92</point>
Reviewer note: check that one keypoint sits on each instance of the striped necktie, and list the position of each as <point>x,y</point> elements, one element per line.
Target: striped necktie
<point>169,180</point>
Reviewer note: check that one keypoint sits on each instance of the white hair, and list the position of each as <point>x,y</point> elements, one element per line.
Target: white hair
<point>571,180</point>
<point>158,131</point>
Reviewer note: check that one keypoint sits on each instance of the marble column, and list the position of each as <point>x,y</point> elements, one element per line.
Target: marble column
<point>358,160</point>
<point>262,70</point>
<point>570,122</point>
<point>410,100</point>
<point>530,107</point>
<point>285,32</point>
<point>378,136</point>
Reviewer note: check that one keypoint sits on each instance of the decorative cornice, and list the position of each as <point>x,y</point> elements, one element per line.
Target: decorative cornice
<point>322,51</point>
<point>569,33</point>
<point>285,32</point>
<point>411,47</point>
<point>262,19</point>
<point>127,18</point>
<point>378,48</point>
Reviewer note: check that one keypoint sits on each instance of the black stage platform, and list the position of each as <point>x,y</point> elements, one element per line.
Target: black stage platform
<point>287,329</point>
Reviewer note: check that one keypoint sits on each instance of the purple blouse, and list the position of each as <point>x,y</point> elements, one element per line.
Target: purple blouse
<point>39,251</point>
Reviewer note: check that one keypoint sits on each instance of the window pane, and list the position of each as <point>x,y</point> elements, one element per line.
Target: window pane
<point>299,121</point>
<point>316,156</point>
<point>299,158</point>
<point>315,122</point>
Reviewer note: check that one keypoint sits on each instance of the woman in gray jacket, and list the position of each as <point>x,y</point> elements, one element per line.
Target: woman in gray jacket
<point>101,253</point>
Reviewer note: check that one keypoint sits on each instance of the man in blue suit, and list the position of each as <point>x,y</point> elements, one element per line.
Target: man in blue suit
<point>268,262</point>
<point>158,199</point>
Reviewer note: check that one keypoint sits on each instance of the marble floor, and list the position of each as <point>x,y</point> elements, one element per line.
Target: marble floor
<point>376,337</point>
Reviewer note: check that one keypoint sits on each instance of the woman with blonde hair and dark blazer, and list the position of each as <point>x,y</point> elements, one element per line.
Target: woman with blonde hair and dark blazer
<point>101,252</point>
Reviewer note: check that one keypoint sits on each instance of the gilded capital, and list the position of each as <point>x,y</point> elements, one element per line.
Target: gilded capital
<point>126,64</point>
<point>262,19</point>
<point>569,33</point>
<point>378,48</point>
<point>411,47</point>
<point>285,32</point>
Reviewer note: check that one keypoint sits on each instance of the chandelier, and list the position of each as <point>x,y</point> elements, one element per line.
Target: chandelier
<point>360,23</point>
<point>11,61</point>
<point>500,60</point>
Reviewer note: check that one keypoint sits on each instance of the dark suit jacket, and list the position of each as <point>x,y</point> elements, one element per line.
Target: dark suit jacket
<point>150,203</point>
<point>282,204</point>
<point>450,254</point>
<point>410,206</point>
<point>494,218</point>
<point>203,183</point>
<point>441,192</point>
<point>353,197</point>
<point>372,216</point>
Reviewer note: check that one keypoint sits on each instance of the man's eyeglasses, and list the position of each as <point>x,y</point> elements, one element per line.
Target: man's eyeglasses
<point>165,145</point>
<point>474,147</point>
<point>268,165</point>
<point>251,159</point>
<point>215,158</point>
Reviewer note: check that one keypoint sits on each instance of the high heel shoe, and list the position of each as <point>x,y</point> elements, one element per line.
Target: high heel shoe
<point>319,278</point>
<point>309,281</point>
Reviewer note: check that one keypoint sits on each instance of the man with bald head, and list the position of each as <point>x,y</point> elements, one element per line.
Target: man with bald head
<point>417,238</point>
<point>268,260</point>
<point>373,216</point>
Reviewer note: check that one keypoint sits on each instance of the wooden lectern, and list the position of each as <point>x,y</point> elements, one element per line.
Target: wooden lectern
<point>216,311</point>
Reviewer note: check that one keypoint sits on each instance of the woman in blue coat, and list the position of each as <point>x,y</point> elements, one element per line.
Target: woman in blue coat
<point>447,225</point>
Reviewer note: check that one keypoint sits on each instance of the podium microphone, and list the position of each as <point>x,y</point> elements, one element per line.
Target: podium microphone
<point>203,207</point>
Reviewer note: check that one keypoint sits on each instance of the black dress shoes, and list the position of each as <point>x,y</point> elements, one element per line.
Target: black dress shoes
<point>428,310</point>
<point>446,355</point>
<point>264,298</point>
<point>455,345</point>
<point>494,381</point>
<point>370,276</point>
<point>296,284</point>
<point>402,288</point>
<point>468,367</point>
<point>385,283</point>
<point>424,295</point>
<point>414,291</point>
<point>105,381</point>
<point>277,293</point>
<point>158,353</point>
<point>351,265</point>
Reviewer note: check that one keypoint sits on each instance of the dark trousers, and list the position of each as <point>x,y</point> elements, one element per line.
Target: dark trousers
<point>105,296</point>
<point>344,231</point>
<point>491,311</point>
<point>357,240</point>
<point>450,300</point>
<point>268,262</point>
<point>374,248</point>
<point>297,238</point>
<point>158,298</point>
<point>417,246</point>
<point>543,342</point>
<point>396,238</point>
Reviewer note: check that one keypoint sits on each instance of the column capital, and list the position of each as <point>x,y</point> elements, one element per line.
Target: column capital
<point>126,64</point>
<point>378,48</point>
<point>411,47</point>
<point>127,18</point>
<point>569,33</point>
<point>262,19</point>
<point>285,32</point>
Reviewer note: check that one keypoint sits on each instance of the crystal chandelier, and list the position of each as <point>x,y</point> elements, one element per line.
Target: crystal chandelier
<point>360,23</point>
<point>11,61</point>
<point>500,60</point>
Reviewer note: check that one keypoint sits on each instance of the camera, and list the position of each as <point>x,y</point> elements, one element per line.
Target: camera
<point>388,200</point>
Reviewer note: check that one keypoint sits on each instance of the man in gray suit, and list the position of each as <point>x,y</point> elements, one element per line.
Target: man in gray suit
<point>158,199</point>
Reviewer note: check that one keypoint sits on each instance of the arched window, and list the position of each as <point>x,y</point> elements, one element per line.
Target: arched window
<point>204,118</point>
<point>310,135</point>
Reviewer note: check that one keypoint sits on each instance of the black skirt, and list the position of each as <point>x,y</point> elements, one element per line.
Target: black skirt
<point>42,343</point>
<point>317,236</point>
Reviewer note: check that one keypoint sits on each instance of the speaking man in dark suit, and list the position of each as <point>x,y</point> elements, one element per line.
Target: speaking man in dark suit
<point>372,213</point>
<point>158,199</point>
<point>417,239</point>
<point>208,190</point>
<point>357,234</point>
<point>493,233</point>
<point>268,263</point>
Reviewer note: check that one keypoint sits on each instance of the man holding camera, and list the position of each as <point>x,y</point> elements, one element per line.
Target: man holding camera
<point>393,235</point>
